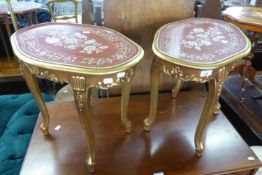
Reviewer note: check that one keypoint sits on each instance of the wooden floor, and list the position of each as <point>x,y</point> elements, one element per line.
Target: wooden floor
<point>167,148</point>
<point>246,116</point>
<point>9,70</point>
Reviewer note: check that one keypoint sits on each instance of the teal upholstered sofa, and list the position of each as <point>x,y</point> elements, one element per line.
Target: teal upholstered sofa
<point>18,114</point>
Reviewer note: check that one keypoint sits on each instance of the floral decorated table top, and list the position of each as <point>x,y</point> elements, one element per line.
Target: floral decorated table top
<point>200,43</point>
<point>20,7</point>
<point>75,47</point>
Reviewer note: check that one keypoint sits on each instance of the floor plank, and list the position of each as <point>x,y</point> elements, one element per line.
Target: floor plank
<point>9,70</point>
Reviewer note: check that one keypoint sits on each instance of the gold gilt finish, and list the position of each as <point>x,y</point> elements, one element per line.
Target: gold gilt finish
<point>82,81</point>
<point>163,56</point>
<point>184,71</point>
<point>13,17</point>
<point>55,17</point>
<point>82,85</point>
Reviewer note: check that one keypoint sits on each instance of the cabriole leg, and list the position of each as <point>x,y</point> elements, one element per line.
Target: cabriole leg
<point>176,89</point>
<point>153,96</point>
<point>82,98</point>
<point>126,87</point>
<point>34,88</point>
<point>207,112</point>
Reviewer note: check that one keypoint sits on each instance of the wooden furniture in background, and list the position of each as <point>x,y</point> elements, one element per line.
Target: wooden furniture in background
<point>250,19</point>
<point>168,148</point>
<point>247,113</point>
<point>9,68</point>
<point>201,50</point>
<point>19,8</point>
<point>86,56</point>
<point>51,5</point>
<point>87,12</point>
<point>139,20</point>
<point>242,3</point>
<point>246,18</point>
<point>212,9</point>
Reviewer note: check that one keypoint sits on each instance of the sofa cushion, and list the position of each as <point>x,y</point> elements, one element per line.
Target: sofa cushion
<point>18,114</point>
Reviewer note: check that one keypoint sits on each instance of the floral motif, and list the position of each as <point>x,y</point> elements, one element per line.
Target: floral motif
<point>201,40</point>
<point>75,45</point>
<point>199,37</point>
<point>77,40</point>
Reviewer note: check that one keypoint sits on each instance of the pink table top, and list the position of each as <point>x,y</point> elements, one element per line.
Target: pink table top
<point>74,45</point>
<point>200,41</point>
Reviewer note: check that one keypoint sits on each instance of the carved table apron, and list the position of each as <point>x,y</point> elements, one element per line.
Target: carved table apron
<point>201,50</point>
<point>83,55</point>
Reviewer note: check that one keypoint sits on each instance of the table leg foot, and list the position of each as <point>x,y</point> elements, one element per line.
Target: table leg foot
<point>199,150</point>
<point>153,96</point>
<point>147,124</point>
<point>176,89</point>
<point>217,110</point>
<point>90,165</point>
<point>126,88</point>
<point>128,127</point>
<point>44,129</point>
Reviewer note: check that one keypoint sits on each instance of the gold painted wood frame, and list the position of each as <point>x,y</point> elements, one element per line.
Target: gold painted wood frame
<point>183,73</point>
<point>13,17</point>
<point>174,63</point>
<point>82,85</point>
<point>82,76</point>
<point>55,17</point>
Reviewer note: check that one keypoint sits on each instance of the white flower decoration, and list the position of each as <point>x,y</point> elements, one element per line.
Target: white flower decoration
<point>92,41</point>
<point>77,40</point>
<point>200,37</point>
<point>52,40</point>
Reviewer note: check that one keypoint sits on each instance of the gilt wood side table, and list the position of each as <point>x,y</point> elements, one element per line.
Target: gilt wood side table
<point>200,50</point>
<point>85,56</point>
<point>20,8</point>
<point>29,9</point>
<point>250,19</point>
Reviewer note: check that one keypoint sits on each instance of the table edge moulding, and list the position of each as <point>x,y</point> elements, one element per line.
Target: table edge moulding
<point>190,64</point>
<point>177,63</point>
<point>92,70</point>
<point>63,52</point>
